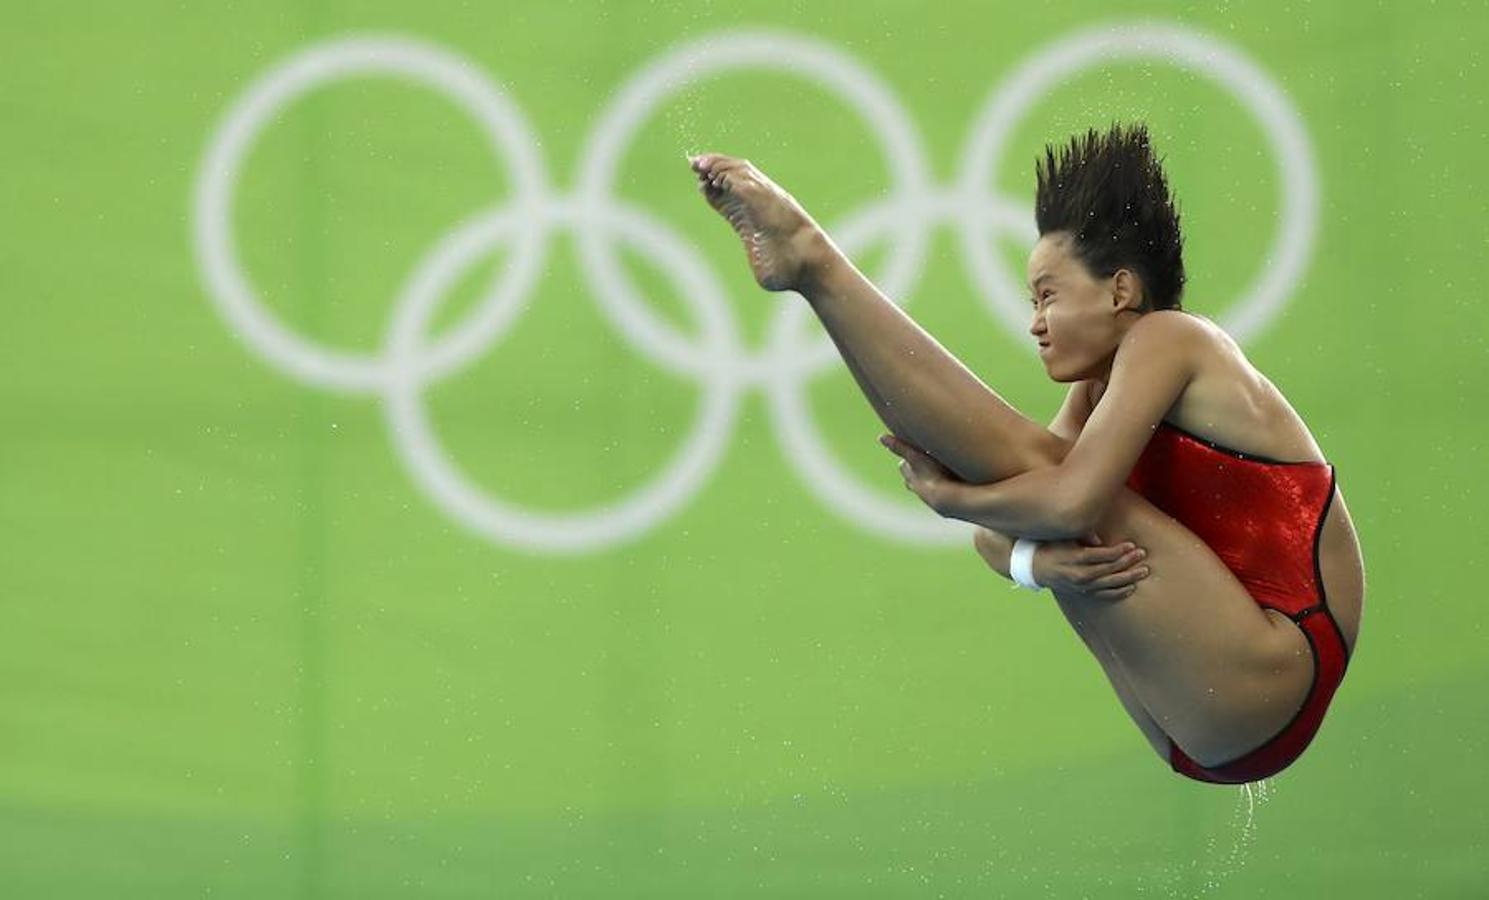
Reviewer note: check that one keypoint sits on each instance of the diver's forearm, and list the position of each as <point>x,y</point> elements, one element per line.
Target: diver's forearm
<point>1038,504</point>
<point>921,392</point>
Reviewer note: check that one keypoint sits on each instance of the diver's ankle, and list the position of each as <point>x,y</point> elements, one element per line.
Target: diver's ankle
<point>821,261</point>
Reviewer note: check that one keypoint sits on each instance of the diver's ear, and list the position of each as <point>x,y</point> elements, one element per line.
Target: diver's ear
<point>1127,292</point>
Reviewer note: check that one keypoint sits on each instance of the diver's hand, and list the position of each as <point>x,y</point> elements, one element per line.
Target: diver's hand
<point>785,247</point>
<point>937,486</point>
<point>1089,567</point>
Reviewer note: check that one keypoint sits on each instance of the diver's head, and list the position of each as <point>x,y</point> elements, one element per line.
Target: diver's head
<point>1109,248</point>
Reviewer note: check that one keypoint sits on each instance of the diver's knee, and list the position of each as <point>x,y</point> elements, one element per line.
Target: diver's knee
<point>988,546</point>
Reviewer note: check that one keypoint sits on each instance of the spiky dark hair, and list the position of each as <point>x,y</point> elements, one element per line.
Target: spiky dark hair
<point>1109,192</point>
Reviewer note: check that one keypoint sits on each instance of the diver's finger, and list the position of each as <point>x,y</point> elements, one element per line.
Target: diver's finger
<point>1095,556</point>
<point>1121,578</point>
<point>1130,558</point>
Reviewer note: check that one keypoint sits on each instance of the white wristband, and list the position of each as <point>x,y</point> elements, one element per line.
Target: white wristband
<point>1021,563</point>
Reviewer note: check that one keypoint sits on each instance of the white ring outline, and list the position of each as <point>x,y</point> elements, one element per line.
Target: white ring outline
<point>420,450</point>
<point>229,286</point>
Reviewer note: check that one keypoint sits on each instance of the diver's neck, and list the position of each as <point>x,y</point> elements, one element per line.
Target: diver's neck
<point>1102,374</point>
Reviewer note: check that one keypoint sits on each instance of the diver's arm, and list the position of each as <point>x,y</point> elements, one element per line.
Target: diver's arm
<point>996,547</point>
<point>1040,504</point>
<point>918,389</point>
<point>1154,363</point>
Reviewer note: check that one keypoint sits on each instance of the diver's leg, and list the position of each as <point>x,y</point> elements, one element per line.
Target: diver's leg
<point>1076,608</point>
<point>920,391</point>
<point>994,548</point>
<point>1190,654</point>
<point>887,413</point>
<point>1219,674</point>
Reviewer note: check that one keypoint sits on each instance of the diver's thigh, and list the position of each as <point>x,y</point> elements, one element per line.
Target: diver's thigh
<point>1212,668</point>
<point>1076,608</point>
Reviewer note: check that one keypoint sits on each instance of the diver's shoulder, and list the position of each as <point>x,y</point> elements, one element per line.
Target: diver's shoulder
<point>1177,319</point>
<point>1218,339</point>
<point>1174,330</point>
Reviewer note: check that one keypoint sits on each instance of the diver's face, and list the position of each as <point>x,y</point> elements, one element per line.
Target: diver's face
<point>1075,313</point>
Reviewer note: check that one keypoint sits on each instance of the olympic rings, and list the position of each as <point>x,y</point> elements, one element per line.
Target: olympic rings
<point>409,360</point>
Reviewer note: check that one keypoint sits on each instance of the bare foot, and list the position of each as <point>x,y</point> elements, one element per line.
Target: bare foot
<point>784,245</point>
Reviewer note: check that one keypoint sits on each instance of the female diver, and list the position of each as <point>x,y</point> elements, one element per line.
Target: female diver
<point>1229,640</point>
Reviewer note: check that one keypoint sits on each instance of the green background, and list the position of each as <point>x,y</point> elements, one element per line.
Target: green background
<point>243,655</point>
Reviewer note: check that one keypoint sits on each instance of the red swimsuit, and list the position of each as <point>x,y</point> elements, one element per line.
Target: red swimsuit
<point>1263,518</point>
